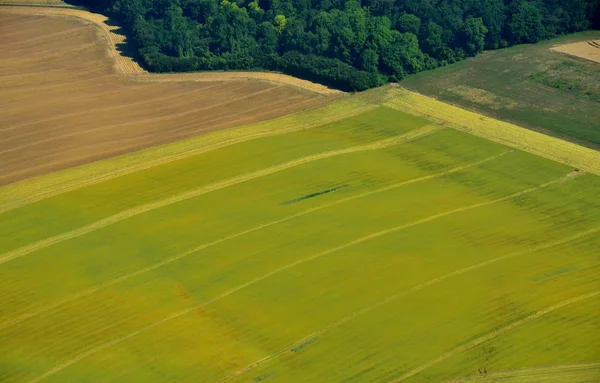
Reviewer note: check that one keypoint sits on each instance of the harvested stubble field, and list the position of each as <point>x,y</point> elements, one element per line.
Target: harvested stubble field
<point>587,50</point>
<point>374,245</point>
<point>63,103</point>
<point>529,85</point>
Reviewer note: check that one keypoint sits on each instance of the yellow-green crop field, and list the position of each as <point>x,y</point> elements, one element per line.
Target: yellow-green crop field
<point>383,242</point>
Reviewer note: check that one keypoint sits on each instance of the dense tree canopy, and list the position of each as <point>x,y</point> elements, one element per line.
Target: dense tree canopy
<point>349,44</point>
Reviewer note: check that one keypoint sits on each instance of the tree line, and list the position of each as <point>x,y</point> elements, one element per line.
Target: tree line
<point>348,44</point>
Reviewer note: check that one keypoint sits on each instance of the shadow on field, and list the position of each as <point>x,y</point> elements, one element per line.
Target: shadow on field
<point>125,48</point>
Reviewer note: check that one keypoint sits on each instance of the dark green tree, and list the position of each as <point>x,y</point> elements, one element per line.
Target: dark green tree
<point>526,24</point>
<point>408,23</point>
<point>474,32</point>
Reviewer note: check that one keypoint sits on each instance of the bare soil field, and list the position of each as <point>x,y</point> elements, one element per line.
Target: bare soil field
<point>587,50</point>
<point>63,103</point>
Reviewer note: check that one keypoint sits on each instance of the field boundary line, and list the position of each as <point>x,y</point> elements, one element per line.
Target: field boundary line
<point>133,71</point>
<point>203,246</point>
<point>38,188</point>
<point>520,373</point>
<point>494,334</point>
<point>401,294</point>
<point>129,213</point>
<point>498,131</point>
<point>292,265</point>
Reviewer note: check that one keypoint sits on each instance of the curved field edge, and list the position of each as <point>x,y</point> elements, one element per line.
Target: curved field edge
<point>495,130</point>
<point>130,68</point>
<point>574,373</point>
<point>37,188</point>
<point>45,186</point>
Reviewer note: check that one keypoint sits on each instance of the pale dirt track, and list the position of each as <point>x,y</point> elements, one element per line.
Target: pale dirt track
<point>63,104</point>
<point>587,50</point>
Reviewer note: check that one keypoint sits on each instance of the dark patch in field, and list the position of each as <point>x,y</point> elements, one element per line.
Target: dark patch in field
<point>316,194</point>
<point>303,345</point>
<point>554,273</point>
<point>262,377</point>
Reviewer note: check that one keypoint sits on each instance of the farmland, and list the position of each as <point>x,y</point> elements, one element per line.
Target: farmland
<point>385,243</point>
<point>529,85</point>
<point>587,50</point>
<point>172,228</point>
<point>65,103</point>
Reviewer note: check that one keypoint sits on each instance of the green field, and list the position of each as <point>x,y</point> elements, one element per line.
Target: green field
<point>528,85</point>
<point>379,246</point>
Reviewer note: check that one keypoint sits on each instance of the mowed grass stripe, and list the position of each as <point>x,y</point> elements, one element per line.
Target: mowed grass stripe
<point>231,291</point>
<point>42,187</point>
<point>412,135</point>
<point>390,299</point>
<point>494,334</point>
<point>498,131</point>
<point>203,246</point>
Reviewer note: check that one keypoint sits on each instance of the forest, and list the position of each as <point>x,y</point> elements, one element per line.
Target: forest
<point>351,45</point>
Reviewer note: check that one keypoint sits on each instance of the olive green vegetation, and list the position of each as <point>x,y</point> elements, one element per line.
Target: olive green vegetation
<point>97,201</point>
<point>437,248</point>
<point>528,85</point>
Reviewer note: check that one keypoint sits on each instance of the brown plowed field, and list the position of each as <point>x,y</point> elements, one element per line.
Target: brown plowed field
<point>125,65</point>
<point>63,104</point>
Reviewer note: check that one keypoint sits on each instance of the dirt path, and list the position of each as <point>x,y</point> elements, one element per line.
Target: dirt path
<point>130,68</point>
